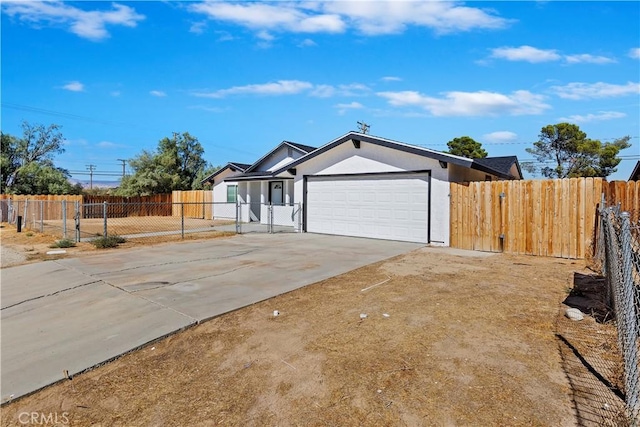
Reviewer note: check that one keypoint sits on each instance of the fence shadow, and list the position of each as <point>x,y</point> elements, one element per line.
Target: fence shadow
<point>591,359</point>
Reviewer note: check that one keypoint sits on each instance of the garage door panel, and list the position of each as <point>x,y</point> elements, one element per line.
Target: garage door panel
<point>390,207</point>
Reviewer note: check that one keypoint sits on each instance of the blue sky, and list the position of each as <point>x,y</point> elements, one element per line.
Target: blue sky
<point>242,77</point>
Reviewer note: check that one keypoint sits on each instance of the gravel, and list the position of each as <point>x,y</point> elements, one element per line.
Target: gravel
<point>10,257</point>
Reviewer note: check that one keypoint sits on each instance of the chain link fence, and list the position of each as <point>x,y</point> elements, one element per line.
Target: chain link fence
<point>86,221</point>
<point>619,257</point>
<point>56,218</point>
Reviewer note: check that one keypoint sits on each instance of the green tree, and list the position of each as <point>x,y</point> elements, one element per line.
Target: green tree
<point>44,178</point>
<point>175,165</point>
<point>466,147</point>
<point>573,153</point>
<point>205,172</point>
<point>27,163</point>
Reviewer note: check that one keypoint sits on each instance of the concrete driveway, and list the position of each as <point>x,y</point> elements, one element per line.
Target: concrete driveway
<point>73,314</point>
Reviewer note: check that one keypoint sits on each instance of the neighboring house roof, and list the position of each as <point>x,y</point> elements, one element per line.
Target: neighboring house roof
<point>500,166</point>
<point>635,175</point>
<point>231,165</point>
<point>304,149</point>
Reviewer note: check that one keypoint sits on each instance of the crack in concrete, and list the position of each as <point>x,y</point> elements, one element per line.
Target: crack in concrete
<point>165,285</point>
<point>172,263</point>
<point>51,294</point>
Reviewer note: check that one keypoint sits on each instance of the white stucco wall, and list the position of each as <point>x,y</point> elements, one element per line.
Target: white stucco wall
<point>346,159</point>
<point>221,209</point>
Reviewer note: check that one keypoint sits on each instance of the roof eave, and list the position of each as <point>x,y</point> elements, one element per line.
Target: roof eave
<point>449,158</point>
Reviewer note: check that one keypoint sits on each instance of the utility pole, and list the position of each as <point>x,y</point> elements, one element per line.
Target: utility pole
<point>91,168</point>
<point>123,163</point>
<point>363,127</point>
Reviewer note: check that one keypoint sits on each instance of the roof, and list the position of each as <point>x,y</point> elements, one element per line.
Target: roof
<point>635,175</point>
<point>231,165</point>
<point>413,149</point>
<point>304,149</point>
<point>500,166</point>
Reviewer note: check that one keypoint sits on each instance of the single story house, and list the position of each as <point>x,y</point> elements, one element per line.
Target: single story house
<point>356,185</point>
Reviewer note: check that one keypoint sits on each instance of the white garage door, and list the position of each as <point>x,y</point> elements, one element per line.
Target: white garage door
<point>389,206</point>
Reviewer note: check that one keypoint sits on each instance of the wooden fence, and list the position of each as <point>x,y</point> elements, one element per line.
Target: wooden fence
<point>196,204</point>
<point>555,218</point>
<point>51,208</point>
<point>122,207</point>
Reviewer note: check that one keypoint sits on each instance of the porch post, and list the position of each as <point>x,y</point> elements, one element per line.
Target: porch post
<point>264,191</point>
<point>287,192</point>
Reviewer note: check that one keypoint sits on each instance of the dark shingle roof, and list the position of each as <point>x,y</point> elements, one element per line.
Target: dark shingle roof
<point>635,175</point>
<point>306,148</point>
<point>241,166</point>
<point>502,165</point>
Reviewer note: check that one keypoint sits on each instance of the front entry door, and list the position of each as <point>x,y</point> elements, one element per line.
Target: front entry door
<point>275,192</point>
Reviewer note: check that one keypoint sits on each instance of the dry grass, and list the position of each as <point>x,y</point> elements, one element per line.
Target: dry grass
<point>467,341</point>
<point>35,245</point>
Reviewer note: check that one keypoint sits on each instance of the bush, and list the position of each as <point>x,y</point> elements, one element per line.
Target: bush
<point>108,241</point>
<point>63,243</point>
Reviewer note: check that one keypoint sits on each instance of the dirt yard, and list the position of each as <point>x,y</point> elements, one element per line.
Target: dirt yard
<point>29,246</point>
<point>447,340</point>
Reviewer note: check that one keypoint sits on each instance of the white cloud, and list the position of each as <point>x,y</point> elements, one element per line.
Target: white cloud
<point>158,93</point>
<point>589,59</point>
<point>326,91</point>
<point>578,90</point>
<point>391,79</point>
<point>307,43</point>
<point>261,16</point>
<point>535,55</point>
<point>480,103</point>
<point>343,108</point>
<point>224,36</point>
<point>526,53</point>
<point>198,27</point>
<point>86,24</point>
<point>366,17</point>
<point>600,116</point>
<point>108,144</point>
<point>501,136</point>
<point>281,87</point>
<point>74,86</point>
<point>634,53</point>
<point>208,109</point>
<point>289,87</point>
<point>115,93</point>
<point>389,17</point>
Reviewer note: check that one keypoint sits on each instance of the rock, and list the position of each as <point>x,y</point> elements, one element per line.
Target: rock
<point>574,314</point>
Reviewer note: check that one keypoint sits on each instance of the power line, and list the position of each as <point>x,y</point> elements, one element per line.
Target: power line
<point>91,168</point>
<point>363,127</point>
<point>123,165</point>
<point>30,109</point>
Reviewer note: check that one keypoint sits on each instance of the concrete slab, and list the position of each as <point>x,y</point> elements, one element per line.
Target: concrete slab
<point>74,330</point>
<point>75,313</point>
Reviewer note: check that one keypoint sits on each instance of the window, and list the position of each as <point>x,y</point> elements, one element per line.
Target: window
<point>232,193</point>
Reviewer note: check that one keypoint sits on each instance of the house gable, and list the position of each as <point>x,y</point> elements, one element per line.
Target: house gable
<point>359,141</point>
<point>282,155</point>
<point>230,169</point>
